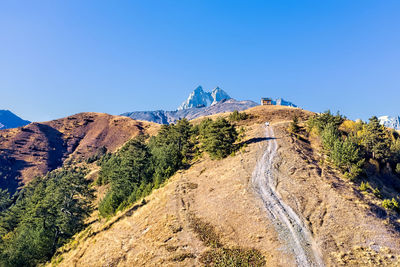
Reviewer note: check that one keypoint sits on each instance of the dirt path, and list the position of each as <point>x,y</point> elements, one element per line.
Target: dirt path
<point>287,223</point>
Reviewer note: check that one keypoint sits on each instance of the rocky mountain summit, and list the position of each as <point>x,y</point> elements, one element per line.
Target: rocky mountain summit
<point>198,104</point>
<point>167,117</point>
<point>10,120</point>
<point>200,98</point>
<point>390,122</point>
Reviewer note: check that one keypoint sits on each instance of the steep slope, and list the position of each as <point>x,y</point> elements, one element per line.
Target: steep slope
<point>167,117</point>
<point>287,222</point>
<point>10,120</point>
<point>220,198</point>
<point>40,147</point>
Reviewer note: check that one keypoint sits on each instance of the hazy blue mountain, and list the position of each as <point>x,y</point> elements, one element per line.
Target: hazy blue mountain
<point>10,120</point>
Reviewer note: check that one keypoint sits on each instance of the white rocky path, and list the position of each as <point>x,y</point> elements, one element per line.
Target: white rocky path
<point>298,239</point>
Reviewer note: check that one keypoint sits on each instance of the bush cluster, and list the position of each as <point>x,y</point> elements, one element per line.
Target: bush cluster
<point>238,116</point>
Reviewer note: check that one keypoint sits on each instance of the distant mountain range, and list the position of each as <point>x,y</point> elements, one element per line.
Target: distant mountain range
<point>390,122</point>
<point>198,104</point>
<point>167,117</point>
<point>10,120</point>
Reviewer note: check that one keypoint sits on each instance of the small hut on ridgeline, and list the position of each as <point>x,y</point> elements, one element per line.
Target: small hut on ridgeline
<point>266,101</point>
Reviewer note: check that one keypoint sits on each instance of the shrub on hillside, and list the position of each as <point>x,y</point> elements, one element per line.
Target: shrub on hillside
<point>237,116</point>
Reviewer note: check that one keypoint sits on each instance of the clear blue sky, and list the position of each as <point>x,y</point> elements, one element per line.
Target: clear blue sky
<point>63,57</point>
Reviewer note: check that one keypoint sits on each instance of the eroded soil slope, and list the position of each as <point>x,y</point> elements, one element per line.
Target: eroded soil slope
<point>346,228</point>
<point>41,147</point>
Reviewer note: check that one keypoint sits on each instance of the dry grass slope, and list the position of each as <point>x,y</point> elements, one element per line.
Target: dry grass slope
<point>210,212</point>
<point>41,147</point>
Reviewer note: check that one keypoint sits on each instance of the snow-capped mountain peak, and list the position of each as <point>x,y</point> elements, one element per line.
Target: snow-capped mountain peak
<point>217,94</point>
<point>390,122</point>
<point>200,98</point>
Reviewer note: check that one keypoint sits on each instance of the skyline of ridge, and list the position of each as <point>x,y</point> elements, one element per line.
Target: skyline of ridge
<point>64,58</point>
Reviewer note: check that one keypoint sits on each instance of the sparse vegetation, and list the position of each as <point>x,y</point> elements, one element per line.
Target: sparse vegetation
<point>232,257</point>
<point>205,232</point>
<point>183,256</point>
<point>294,127</point>
<point>364,186</point>
<point>391,204</point>
<point>218,255</point>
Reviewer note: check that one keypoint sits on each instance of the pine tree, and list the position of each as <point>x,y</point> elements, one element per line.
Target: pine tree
<point>376,140</point>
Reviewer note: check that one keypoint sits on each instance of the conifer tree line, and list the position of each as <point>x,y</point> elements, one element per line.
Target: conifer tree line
<point>140,166</point>
<point>47,212</point>
<point>349,145</point>
<point>43,216</point>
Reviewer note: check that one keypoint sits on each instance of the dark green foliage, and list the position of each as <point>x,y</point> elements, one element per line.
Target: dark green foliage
<point>349,150</point>
<point>320,121</point>
<point>294,127</point>
<point>171,149</point>
<point>376,140</point>
<point>218,137</point>
<point>5,200</point>
<point>237,116</point>
<point>344,154</point>
<point>139,167</point>
<point>128,171</point>
<point>47,212</point>
<point>98,155</point>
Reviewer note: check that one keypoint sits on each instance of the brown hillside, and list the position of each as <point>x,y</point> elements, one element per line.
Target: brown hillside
<point>218,198</point>
<point>41,147</point>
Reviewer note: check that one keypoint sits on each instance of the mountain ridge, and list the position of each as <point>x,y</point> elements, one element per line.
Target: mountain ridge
<point>37,148</point>
<point>9,120</point>
<point>168,117</point>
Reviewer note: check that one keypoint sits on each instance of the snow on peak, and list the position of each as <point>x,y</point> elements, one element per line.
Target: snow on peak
<point>282,102</point>
<point>217,94</point>
<point>390,122</point>
<point>199,98</point>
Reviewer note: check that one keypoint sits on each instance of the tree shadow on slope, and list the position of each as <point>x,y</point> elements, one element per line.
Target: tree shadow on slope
<point>256,140</point>
<point>10,171</point>
<point>57,148</point>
